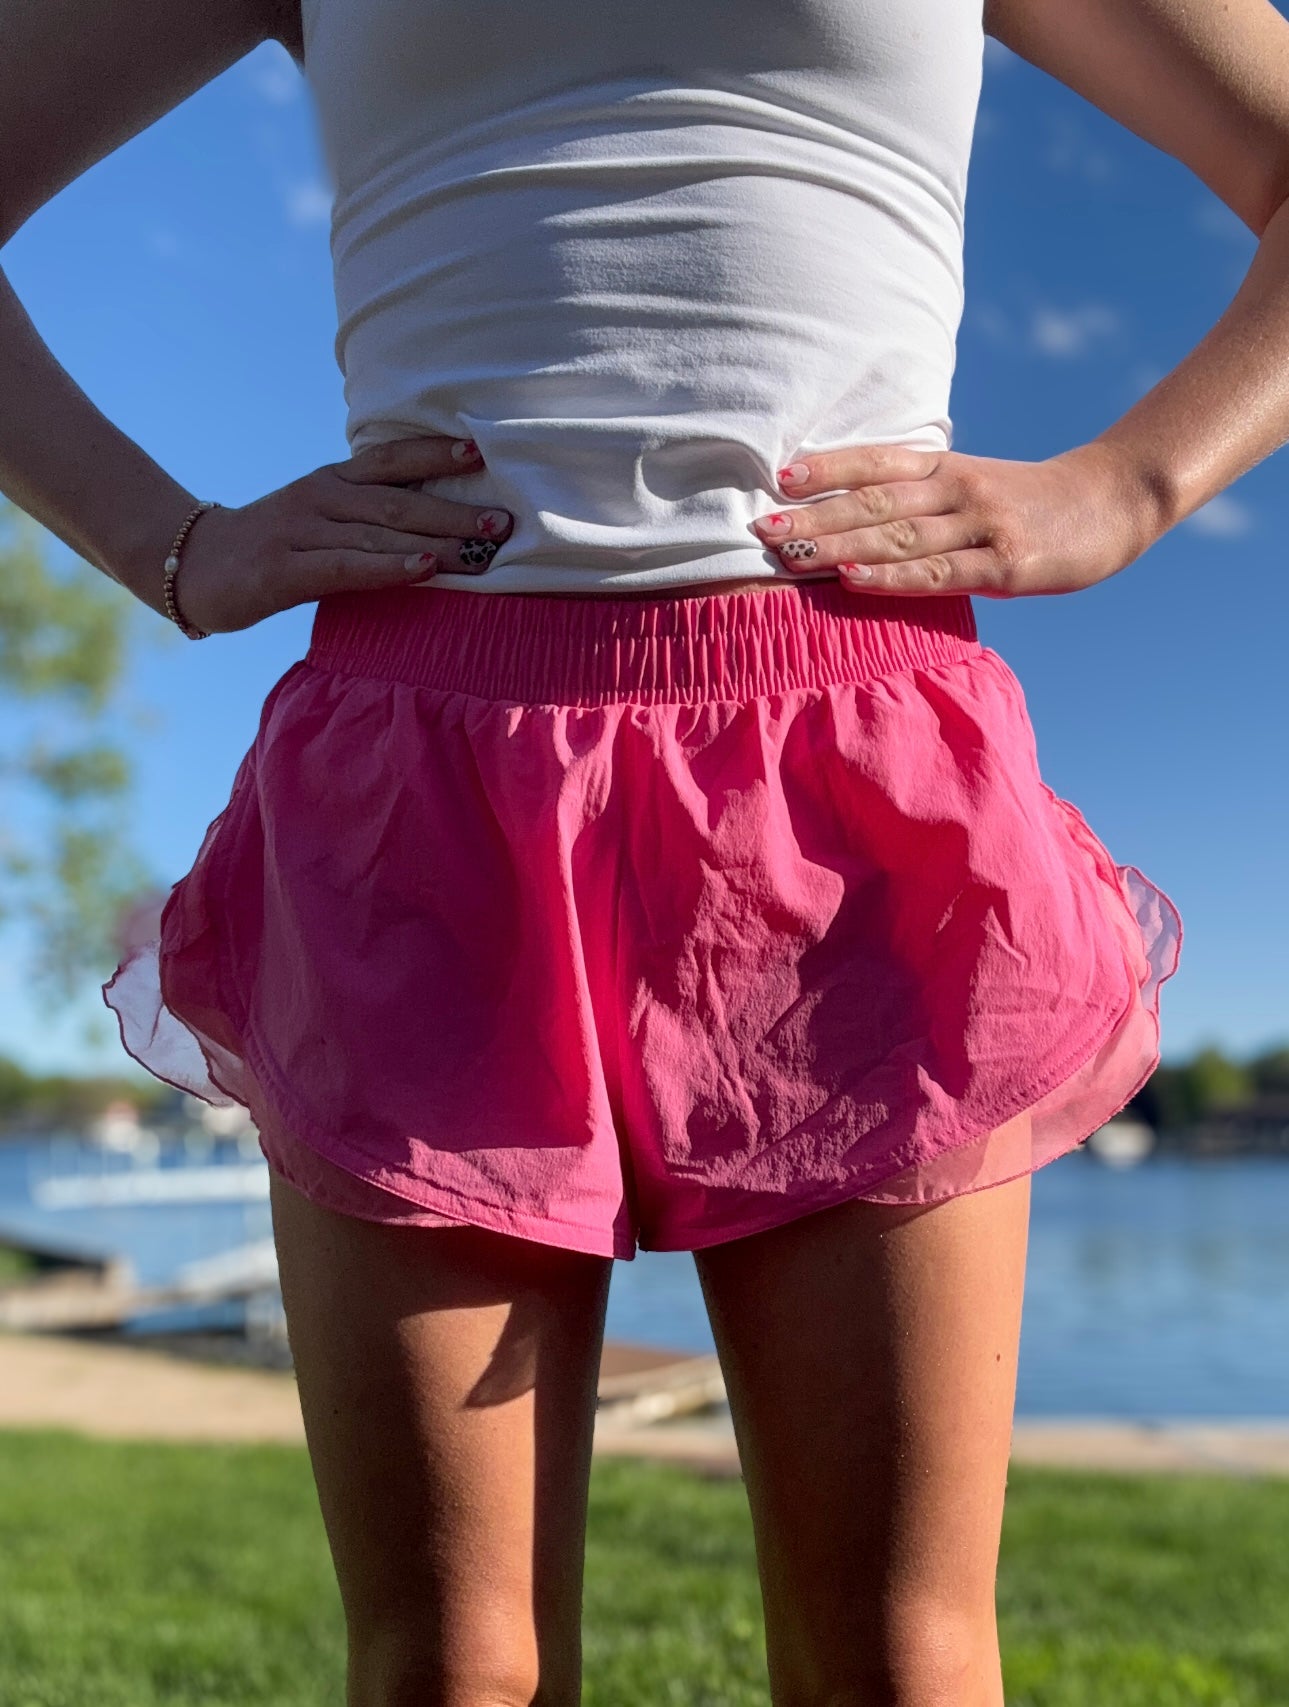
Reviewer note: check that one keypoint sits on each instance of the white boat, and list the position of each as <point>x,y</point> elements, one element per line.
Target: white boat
<point>119,1129</point>
<point>1122,1143</point>
<point>238,1182</point>
<point>230,1121</point>
<point>250,1268</point>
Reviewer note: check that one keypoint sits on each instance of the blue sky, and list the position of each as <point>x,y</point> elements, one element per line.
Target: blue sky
<point>185,283</point>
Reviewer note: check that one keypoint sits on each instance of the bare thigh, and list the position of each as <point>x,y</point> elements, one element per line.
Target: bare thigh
<point>870,1357</point>
<point>447,1381</point>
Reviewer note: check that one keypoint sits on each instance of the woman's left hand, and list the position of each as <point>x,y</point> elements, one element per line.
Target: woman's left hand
<point>937,522</point>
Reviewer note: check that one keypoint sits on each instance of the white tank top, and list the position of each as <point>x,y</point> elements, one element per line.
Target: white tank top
<point>644,254</point>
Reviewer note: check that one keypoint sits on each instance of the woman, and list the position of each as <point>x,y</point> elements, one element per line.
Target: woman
<point>703,893</point>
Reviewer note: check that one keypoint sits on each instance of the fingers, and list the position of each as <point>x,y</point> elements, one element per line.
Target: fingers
<point>883,519</point>
<point>387,542</point>
<point>344,526</point>
<point>801,544</point>
<point>366,524</point>
<point>909,537</point>
<point>908,522</point>
<point>366,528</point>
<point>976,571</point>
<point>858,465</point>
<point>458,556</point>
<point>390,518</point>
<point>868,508</point>
<point>397,461</point>
<point>314,574</point>
<point>880,503</point>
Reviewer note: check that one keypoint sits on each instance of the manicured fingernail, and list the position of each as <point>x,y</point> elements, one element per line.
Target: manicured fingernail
<point>799,548</point>
<point>492,522</point>
<point>794,474</point>
<point>464,450</point>
<point>422,560</point>
<point>775,524</point>
<point>855,571</point>
<point>477,552</point>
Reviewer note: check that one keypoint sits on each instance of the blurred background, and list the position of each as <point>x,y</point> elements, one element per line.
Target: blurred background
<point>185,283</point>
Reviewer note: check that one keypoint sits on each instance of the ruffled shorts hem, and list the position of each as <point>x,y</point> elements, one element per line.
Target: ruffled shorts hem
<point>662,963</point>
<point>339,1175</point>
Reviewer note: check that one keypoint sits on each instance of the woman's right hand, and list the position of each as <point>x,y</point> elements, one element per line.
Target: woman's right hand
<point>348,527</point>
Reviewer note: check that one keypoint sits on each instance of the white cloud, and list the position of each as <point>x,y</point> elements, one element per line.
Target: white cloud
<point>1068,150</point>
<point>1062,333</point>
<point>273,74</point>
<point>1059,332</point>
<point>988,318</point>
<point>1223,517</point>
<point>308,202</point>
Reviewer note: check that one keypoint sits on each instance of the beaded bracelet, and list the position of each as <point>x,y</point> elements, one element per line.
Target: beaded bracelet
<point>172,569</point>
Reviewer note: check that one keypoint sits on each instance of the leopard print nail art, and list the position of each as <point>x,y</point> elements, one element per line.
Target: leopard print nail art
<point>799,548</point>
<point>477,552</point>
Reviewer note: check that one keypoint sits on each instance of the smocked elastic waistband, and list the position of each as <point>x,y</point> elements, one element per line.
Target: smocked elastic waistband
<point>536,649</point>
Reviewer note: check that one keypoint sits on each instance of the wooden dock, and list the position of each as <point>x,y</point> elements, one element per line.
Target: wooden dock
<point>72,1284</point>
<point>653,1401</point>
<point>76,1288</point>
<point>641,1385</point>
<point>127,1392</point>
<point>103,1292</point>
<point>52,1380</point>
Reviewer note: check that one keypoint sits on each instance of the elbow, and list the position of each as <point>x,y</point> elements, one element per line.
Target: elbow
<point>1275,194</point>
<point>1278,207</point>
<point>11,221</point>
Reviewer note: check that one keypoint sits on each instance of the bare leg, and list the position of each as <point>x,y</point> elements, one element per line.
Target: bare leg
<point>447,1381</point>
<point>870,1358</point>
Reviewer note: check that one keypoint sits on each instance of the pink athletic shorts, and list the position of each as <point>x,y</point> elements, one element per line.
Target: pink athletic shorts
<point>649,922</point>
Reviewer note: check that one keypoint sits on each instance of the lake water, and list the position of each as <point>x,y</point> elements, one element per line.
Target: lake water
<point>1156,1291</point>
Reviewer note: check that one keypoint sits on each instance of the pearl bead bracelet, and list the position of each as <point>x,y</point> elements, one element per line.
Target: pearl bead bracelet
<point>172,569</point>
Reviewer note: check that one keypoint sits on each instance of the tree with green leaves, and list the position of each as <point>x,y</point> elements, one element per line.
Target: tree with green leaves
<point>1270,1071</point>
<point>1179,1094</point>
<point>61,1102</point>
<point>68,868</point>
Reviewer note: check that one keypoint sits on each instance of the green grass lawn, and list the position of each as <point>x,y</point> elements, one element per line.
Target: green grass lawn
<point>198,1576</point>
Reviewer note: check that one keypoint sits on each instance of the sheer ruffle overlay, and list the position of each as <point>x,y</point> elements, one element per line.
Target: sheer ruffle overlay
<point>833,941</point>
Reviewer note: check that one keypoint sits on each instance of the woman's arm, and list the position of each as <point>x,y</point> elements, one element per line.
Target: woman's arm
<point>1208,82</point>
<point>77,79</point>
<point>1209,85</point>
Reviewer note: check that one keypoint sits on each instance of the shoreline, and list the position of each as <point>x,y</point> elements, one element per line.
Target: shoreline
<point>117,1391</point>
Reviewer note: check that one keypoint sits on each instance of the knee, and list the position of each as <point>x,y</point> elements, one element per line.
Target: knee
<point>944,1660</point>
<point>920,1656</point>
<point>394,1669</point>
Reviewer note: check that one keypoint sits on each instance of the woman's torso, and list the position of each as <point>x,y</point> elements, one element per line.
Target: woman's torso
<point>644,257</point>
